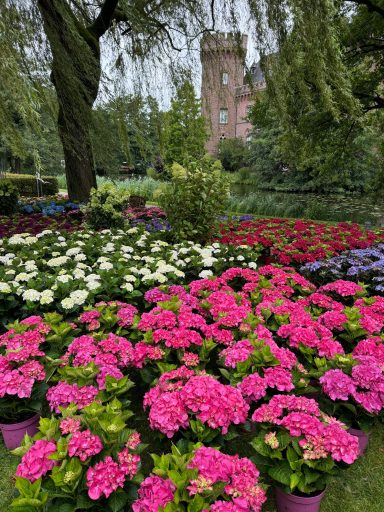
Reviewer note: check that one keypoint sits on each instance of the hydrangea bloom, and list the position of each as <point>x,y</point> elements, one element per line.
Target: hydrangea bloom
<point>35,462</point>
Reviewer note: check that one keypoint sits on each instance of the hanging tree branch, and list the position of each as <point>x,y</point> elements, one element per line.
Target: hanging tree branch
<point>105,18</point>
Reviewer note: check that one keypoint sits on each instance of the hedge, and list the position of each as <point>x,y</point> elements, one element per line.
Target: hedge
<point>27,186</point>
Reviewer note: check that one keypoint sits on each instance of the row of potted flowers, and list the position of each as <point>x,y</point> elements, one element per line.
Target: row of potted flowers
<point>261,351</point>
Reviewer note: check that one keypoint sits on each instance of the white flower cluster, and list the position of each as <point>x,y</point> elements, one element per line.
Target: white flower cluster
<point>67,271</point>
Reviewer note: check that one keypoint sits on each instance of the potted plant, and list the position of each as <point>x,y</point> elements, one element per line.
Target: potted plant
<point>26,364</point>
<point>195,478</point>
<point>81,459</point>
<point>352,389</point>
<point>300,448</point>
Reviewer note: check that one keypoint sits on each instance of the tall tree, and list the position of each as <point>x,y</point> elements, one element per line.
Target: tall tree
<point>186,131</point>
<point>324,66</point>
<point>75,30</point>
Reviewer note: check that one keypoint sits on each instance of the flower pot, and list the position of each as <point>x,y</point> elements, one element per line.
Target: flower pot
<point>13,433</point>
<point>291,503</point>
<point>363,438</point>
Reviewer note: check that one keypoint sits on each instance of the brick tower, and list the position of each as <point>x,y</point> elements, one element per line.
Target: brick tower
<point>222,57</point>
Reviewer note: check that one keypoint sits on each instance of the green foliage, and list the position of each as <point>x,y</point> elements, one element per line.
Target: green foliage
<point>324,85</point>
<point>186,132</point>
<point>128,129</point>
<point>27,186</point>
<point>8,197</point>
<point>196,195</point>
<point>233,154</point>
<point>105,207</point>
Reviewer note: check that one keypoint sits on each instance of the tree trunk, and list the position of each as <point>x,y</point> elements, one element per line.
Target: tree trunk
<point>75,74</point>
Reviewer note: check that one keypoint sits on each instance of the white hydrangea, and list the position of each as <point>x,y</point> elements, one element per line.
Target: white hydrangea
<point>64,278</point>
<point>208,262</point>
<point>126,248</point>
<point>4,287</point>
<point>67,303</point>
<point>205,273</point>
<point>143,271</point>
<point>127,286</point>
<point>73,251</point>
<point>102,259</point>
<point>106,265</point>
<point>91,277</point>
<point>92,285</point>
<point>46,297</point>
<point>80,257</point>
<point>129,278</point>
<point>31,295</point>
<point>78,273</point>
<point>57,262</point>
<point>23,276</point>
<point>252,265</point>
<point>79,296</point>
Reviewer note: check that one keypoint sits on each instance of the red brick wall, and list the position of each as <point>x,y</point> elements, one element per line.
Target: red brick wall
<point>221,54</point>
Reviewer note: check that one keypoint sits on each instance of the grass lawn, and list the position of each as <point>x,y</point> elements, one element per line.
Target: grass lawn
<point>359,489</point>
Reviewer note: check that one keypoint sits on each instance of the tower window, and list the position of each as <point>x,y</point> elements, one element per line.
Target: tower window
<point>223,119</point>
<point>224,78</point>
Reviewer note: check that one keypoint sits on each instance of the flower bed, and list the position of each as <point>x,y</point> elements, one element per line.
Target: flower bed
<point>208,360</point>
<point>35,223</point>
<point>62,272</point>
<point>296,242</point>
<point>365,265</point>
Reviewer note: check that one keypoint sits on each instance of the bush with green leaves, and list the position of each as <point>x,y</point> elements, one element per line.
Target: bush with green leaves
<point>8,197</point>
<point>105,207</point>
<point>196,195</point>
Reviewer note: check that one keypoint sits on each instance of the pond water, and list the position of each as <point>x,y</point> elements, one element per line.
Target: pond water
<point>361,209</point>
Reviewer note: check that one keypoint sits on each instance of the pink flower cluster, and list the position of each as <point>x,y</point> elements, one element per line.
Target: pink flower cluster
<point>365,384</point>
<point>35,463</point>
<point>320,436</point>
<point>213,403</point>
<point>84,445</point>
<point>108,475</point>
<point>154,493</point>
<point>253,387</point>
<point>20,365</point>
<point>64,394</point>
<point>239,474</point>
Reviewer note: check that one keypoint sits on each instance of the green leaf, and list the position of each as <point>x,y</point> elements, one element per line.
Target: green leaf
<point>281,473</point>
<point>117,501</point>
<point>295,479</point>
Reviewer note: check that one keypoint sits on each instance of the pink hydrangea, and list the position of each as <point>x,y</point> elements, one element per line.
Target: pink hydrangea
<point>69,425</point>
<point>129,462</point>
<point>84,445</point>
<point>341,287</point>
<point>337,385</point>
<point>64,394</point>
<point>154,493</point>
<point>104,478</point>
<point>35,463</point>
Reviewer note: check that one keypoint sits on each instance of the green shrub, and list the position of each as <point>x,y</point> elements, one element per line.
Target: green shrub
<point>105,207</point>
<point>27,186</point>
<point>8,197</point>
<point>196,195</point>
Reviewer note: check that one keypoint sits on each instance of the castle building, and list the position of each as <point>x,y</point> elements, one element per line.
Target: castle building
<point>227,92</point>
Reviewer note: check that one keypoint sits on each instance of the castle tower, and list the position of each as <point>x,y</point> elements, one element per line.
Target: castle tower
<point>222,57</point>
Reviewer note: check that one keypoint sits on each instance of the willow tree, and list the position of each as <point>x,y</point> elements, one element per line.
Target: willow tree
<point>324,67</point>
<point>76,32</point>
